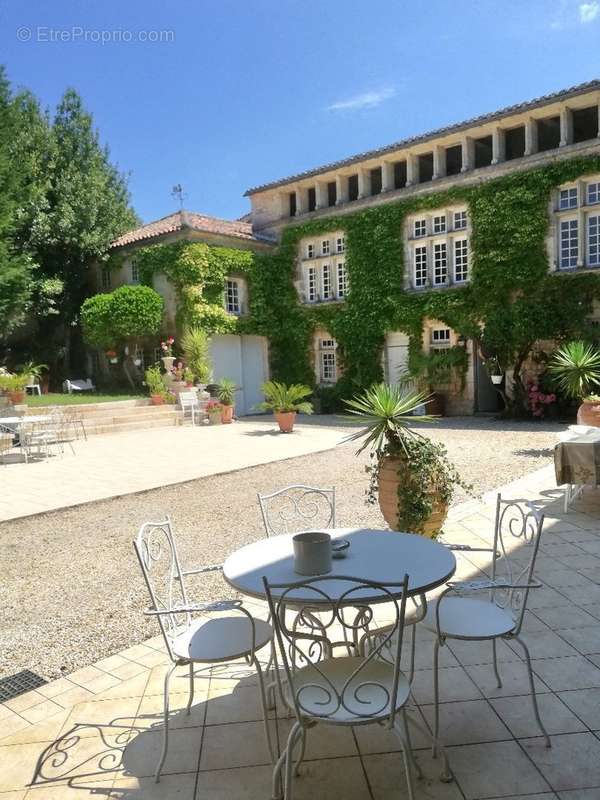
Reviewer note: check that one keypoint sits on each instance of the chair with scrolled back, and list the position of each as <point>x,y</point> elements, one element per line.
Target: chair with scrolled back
<point>296,508</point>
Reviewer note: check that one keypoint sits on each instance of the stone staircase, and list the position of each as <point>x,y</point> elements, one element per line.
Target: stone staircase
<point>121,415</point>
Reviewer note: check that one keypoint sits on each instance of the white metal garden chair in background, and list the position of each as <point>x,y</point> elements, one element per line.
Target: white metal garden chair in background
<point>499,616</point>
<point>297,507</point>
<point>225,631</point>
<point>354,688</point>
<point>189,404</point>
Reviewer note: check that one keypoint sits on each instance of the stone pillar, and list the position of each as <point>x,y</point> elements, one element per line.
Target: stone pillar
<point>467,154</point>
<point>531,144</point>
<point>599,119</point>
<point>439,162</point>
<point>387,176</point>
<point>412,173</point>
<point>284,204</point>
<point>498,146</point>
<point>566,127</point>
<point>321,195</point>
<point>341,190</point>
<point>364,188</point>
<point>301,201</point>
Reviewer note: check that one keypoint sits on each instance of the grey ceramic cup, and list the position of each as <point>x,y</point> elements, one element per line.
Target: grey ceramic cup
<point>312,553</point>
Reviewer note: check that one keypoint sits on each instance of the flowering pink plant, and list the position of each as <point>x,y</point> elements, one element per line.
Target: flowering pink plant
<point>167,346</point>
<point>537,399</point>
<point>213,405</point>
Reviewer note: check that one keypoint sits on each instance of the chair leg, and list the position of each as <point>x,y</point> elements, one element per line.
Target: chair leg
<point>436,697</point>
<point>289,761</point>
<point>413,645</point>
<point>191,697</point>
<point>263,698</point>
<point>533,693</point>
<point>408,763</point>
<point>165,746</point>
<point>302,751</point>
<point>495,654</point>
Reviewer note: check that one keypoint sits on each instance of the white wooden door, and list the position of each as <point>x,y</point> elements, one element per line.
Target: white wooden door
<point>395,356</point>
<point>243,359</point>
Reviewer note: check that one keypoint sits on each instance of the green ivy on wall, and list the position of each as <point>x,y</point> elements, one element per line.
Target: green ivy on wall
<point>510,293</point>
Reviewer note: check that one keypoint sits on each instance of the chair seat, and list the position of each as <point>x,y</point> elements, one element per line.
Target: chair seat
<point>323,694</point>
<point>222,638</point>
<point>469,618</point>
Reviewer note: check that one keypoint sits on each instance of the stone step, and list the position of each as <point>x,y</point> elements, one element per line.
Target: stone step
<point>94,408</point>
<point>165,422</point>
<point>136,415</point>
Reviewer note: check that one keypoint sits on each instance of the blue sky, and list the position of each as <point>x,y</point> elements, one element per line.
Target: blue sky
<point>244,93</point>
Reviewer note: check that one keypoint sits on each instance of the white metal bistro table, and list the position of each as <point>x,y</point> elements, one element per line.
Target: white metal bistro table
<point>16,422</point>
<point>381,556</point>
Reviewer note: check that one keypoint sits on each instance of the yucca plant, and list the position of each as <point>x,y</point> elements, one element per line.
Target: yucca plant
<point>575,368</point>
<point>226,389</point>
<point>281,398</point>
<point>194,344</point>
<point>410,475</point>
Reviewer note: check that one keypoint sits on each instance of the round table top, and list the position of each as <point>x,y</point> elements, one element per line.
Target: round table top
<point>381,556</point>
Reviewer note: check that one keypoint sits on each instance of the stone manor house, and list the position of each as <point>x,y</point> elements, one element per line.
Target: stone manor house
<point>437,243</point>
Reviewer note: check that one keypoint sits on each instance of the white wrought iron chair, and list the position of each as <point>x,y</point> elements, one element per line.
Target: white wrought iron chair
<point>297,507</point>
<point>188,402</point>
<point>500,616</point>
<point>355,688</point>
<point>37,438</point>
<point>232,635</point>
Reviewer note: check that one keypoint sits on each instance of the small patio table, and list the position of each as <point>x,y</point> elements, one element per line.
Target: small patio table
<point>577,464</point>
<point>16,422</point>
<point>381,556</point>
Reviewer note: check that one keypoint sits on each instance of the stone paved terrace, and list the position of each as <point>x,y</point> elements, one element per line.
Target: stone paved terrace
<point>97,732</point>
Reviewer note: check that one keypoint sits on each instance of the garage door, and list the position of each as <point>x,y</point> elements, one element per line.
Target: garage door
<point>244,360</point>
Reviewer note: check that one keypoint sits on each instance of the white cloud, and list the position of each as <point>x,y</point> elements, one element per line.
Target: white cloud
<point>589,11</point>
<point>364,100</point>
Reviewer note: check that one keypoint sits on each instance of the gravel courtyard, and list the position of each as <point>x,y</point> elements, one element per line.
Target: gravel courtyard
<point>71,591</point>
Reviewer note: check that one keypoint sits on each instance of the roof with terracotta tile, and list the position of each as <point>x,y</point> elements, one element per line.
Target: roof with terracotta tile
<point>189,220</point>
<point>519,108</point>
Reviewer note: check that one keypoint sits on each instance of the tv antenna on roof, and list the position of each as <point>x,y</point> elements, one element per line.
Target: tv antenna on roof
<point>178,193</point>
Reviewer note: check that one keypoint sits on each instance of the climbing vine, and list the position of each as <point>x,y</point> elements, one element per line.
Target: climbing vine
<point>511,300</point>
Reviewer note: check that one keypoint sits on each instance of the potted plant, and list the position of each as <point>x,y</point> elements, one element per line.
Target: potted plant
<point>439,366</point>
<point>410,474</point>
<point>575,368</point>
<point>195,347</point>
<point>112,356</point>
<point>494,370</point>
<point>14,387</point>
<point>33,372</point>
<point>226,390</point>
<point>214,409</point>
<point>156,385</point>
<point>168,357</point>
<point>285,402</point>
<point>188,377</point>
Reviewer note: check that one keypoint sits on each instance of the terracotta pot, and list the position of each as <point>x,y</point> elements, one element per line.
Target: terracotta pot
<point>16,397</point>
<point>589,414</point>
<point>157,400</point>
<point>285,420</point>
<point>227,415</point>
<point>389,480</point>
<point>436,405</point>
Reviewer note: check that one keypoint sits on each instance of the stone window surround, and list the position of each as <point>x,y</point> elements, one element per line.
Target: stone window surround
<point>310,268</point>
<point>242,295</point>
<point>325,358</point>
<point>414,244</point>
<point>581,213</point>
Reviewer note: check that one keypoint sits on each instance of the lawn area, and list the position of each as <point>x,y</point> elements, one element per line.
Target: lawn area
<point>61,399</point>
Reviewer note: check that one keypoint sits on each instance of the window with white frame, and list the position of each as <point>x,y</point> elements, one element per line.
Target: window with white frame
<point>569,245</point>
<point>342,280</point>
<point>593,233</point>
<point>105,279</point>
<point>420,266</point>
<point>461,260</point>
<point>340,244</point>
<point>327,361</point>
<point>311,287</point>
<point>310,251</point>
<point>327,282</point>
<point>439,224</point>
<point>440,263</point>
<point>593,193</point>
<point>325,247</point>
<point>420,228</point>
<point>440,337</point>
<point>135,273</point>
<point>567,198</point>
<point>460,220</point>
<point>232,297</point>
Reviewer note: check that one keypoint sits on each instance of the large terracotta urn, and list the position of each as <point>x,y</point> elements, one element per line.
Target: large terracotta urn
<point>588,413</point>
<point>226,415</point>
<point>391,472</point>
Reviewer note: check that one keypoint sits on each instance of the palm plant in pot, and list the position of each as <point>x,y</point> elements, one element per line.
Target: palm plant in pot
<point>226,390</point>
<point>575,368</point>
<point>285,402</point>
<point>410,475</point>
